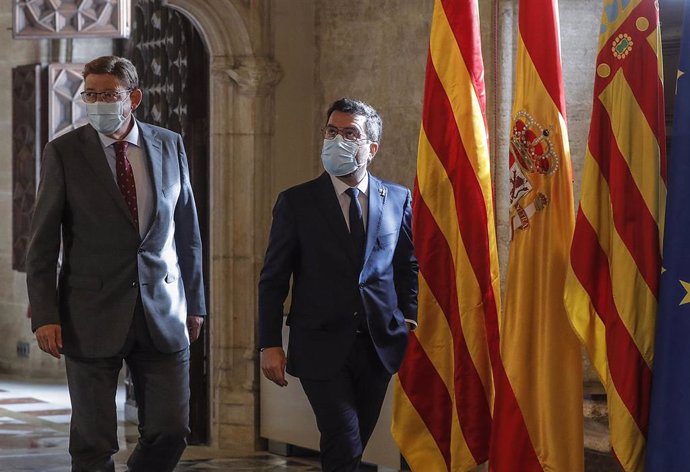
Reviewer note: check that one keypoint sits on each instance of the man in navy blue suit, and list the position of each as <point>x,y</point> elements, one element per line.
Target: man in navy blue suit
<point>345,239</point>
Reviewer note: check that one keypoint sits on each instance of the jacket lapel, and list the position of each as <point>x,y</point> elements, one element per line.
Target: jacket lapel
<point>154,158</point>
<point>377,200</point>
<point>92,152</point>
<point>327,202</point>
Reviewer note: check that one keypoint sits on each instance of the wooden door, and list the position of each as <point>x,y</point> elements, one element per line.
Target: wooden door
<point>173,67</point>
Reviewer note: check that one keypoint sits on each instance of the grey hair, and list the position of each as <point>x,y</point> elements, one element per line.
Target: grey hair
<point>120,67</point>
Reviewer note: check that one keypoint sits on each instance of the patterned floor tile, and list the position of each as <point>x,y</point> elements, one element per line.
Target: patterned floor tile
<point>61,419</point>
<point>247,464</point>
<point>11,401</point>
<point>52,412</point>
<point>34,437</point>
<point>31,407</point>
<point>9,420</point>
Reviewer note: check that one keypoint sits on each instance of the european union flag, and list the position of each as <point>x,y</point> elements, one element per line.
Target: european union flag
<point>668,445</point>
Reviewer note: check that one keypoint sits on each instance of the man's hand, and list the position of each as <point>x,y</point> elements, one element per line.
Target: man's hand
<point>49,339</point>
<point>273,365</point>
<point>194,324</point>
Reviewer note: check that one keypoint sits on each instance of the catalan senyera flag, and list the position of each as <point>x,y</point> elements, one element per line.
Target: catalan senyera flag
<point>669,423</point>
<point>615,258</point>
<point>542,430</point>
<point>444,390</point>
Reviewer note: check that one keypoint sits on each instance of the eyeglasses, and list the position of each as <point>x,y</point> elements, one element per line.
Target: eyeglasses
<point>111,96</point>
<point>348,133</point>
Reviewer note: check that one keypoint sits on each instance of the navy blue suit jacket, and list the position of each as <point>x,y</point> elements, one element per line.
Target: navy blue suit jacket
<point>331,290</point>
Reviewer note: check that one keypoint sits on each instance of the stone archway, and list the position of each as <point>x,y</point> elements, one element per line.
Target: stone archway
<point>243,76</point>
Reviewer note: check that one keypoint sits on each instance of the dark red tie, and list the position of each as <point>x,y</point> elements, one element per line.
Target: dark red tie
<point>125,179</point>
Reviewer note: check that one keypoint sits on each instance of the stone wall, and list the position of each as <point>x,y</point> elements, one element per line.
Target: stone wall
<point>376,51</point>
<point>294,156</point>
<point>373,51</point>
<point>14,324</point>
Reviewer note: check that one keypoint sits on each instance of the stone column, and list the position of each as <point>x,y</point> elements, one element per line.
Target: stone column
<point>243,77</point>
<point>243,101</point>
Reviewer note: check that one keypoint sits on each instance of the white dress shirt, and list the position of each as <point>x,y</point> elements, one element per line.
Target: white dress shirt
<point>344,199</point>
<point>136,155</point>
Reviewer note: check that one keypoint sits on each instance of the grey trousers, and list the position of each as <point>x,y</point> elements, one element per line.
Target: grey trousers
<point>161,388</point>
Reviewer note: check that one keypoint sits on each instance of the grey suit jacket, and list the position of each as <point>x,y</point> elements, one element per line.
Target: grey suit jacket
<point>106,265</point>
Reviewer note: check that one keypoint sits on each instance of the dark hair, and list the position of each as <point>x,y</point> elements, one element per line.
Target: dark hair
<point>373,125</point>
<point>120,67</point>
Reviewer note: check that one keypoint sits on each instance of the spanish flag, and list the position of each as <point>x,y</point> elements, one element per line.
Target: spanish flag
<point>612,284</point>
<point>444,390</point>
<point>542,430</point>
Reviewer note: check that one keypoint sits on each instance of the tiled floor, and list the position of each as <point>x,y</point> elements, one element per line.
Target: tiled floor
<point>34,430</point>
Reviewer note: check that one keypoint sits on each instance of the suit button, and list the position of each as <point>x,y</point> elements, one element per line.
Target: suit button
<point>135,284</point>
<point>362,285</point>
<point>355,314</point>
<point>140,250</point>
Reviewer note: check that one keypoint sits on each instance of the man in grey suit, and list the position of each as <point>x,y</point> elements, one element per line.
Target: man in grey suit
<point>116,193</point>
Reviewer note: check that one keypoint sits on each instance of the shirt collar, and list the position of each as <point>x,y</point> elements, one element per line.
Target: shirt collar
<point>341,187</point>
<point>132,137</point>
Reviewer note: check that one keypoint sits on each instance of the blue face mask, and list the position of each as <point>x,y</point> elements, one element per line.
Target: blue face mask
<point>106,118</point>
<point>339,156</point>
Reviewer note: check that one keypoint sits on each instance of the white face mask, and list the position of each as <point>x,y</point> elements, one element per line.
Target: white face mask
<point>339,157</point>
<point>106,118</point>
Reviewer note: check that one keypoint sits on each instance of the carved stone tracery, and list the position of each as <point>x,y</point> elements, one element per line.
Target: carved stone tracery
<point>71,18</point>
<point>66,109</point>
<point>256,76</point>
<point>28,139</point>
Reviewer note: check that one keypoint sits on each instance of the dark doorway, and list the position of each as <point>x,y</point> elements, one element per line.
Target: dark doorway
<point>173,65</point>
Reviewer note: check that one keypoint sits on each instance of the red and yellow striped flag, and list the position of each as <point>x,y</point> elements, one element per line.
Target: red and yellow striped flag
<point>613,281</point>
<point>444,390</point>
<point>542,430</point>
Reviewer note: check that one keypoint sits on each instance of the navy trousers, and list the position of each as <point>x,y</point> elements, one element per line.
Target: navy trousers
<point>347,406</point>
<point>161,389</point>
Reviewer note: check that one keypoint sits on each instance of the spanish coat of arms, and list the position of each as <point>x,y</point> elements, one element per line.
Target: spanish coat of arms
<point>531,154</point>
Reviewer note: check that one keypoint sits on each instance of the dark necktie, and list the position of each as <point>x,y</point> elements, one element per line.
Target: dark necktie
<point>356,222</point>
<point>125,179</point>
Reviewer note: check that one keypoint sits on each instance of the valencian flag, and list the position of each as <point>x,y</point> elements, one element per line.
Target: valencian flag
<point>444,390</point>
<point>541,354</point>
<point>615,259</point>
<point>668,446</point>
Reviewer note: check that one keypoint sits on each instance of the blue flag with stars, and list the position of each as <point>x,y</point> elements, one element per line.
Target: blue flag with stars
<point>668,444</point>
